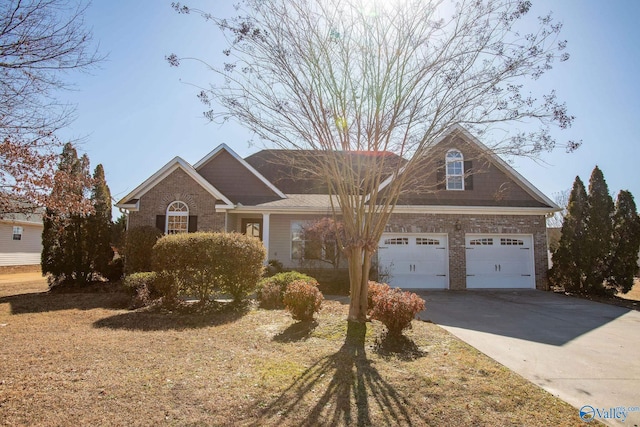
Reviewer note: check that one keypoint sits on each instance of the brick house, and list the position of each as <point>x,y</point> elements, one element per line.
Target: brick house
<point>478,224</point>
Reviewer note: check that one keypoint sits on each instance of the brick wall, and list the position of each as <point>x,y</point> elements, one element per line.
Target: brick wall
<point>456,226</point>
<point>178,186</point>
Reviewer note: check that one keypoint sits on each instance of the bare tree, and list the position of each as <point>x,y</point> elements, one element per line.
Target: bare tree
<point>562,200</point>
<point>40,41</point>
<point>353,76</point>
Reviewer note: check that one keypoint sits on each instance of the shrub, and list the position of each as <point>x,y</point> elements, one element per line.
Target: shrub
<point>271,290</point>
<point>142,287</point>
<point>396,309</point>
<point>115,269</point>
<point>375,289</point>
<point>138,246</point>
<point>302,300</point>
<point>239,264</point>
<point>200,263</point>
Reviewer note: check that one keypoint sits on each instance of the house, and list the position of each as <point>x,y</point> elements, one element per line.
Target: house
<point>20,239</point>
<point>479,224</point>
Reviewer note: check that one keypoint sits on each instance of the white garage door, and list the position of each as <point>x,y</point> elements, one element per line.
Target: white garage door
<point>414,261</point>
<point>499,261</point>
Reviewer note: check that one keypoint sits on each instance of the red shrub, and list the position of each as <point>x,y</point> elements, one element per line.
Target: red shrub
<point>396,309</point>
<point>302,299</point>
<point>375,288</point>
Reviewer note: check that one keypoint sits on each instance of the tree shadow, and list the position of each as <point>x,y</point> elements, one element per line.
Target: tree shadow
<point>165,320</point>
<point>299,331</point>
<point>354,384</point>
<point>43,302</point>
<point>399,346</point>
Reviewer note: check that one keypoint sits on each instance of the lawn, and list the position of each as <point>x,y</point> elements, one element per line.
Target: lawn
<point>84,359</point>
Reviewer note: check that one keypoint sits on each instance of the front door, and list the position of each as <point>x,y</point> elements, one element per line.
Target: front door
<point>252,227</point>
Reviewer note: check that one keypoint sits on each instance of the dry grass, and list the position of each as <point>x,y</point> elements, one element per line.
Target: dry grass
<point>634,293</point>
<point>82,359</point>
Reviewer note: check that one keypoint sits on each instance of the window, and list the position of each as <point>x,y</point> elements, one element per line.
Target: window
<point>305,249</point>
<point>177,218</point>
<point>511,242</point>
<point>455,170</point>
<point>482,242</point>
<point>17,233</point>
<point>397,241</point>
<point>425,241</point>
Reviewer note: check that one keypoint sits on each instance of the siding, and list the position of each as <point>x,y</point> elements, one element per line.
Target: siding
<point>491,186</point>
<point>20,252</point>
<point>280,241</point>
<point>235,181</point>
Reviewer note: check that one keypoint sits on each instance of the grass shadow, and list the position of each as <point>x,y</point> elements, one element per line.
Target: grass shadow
<point>299,331</point>
<point>179,319</point>
<point>354,385</point>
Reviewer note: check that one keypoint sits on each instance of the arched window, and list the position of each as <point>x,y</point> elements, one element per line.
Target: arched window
<point>177,218</point>
<point>455,170</point>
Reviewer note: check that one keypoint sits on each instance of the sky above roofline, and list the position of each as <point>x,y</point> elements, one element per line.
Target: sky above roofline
<point>135,113</point>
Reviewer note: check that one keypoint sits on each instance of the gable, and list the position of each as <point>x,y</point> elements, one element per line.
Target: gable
<point>488,180</point>
<point>131,201</point>
<point>240,184</point>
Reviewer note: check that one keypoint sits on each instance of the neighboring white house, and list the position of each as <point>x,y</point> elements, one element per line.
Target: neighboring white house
<point>20,239</point>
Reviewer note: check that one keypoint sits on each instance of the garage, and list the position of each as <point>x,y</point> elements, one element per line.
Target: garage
<point>499,261</point>
<point>414,261</point>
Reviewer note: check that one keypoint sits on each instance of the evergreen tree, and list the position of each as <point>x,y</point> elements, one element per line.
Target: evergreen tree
<point>64,253</point>
<point>568,262</point>
<point>597,249</point>
<point>99,223</point>
<point>625,243</point>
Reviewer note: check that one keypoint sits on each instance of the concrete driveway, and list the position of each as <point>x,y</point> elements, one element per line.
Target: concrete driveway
<point>584,352</point>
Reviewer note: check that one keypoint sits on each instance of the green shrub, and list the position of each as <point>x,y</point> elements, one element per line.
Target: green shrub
<point>396,309</point>
<point>138,246</point>
<point>375,288</point>
<point>302,300</point>
<point>240,263</point>
<point>142,287</point>
<point>198,264</point>
<point>271,289</point>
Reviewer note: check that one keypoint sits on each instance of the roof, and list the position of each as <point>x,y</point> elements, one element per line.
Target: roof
<point>286,168</point>
<point>130,200</point>
<point>22,218</point>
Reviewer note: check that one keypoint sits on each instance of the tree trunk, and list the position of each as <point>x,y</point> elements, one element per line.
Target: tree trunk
<point>359,264</point>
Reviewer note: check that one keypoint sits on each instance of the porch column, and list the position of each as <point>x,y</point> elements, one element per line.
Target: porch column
<point>265,234</point>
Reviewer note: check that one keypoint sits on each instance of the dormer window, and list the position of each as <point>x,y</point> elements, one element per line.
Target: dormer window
<point>454,164</point>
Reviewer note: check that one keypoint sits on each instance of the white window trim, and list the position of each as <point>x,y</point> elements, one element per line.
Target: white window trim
<point>446,169</point>
<point>17,231</point>
<point>176,213</point>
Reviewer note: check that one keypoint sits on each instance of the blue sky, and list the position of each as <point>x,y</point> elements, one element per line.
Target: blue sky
<point>135,113</point>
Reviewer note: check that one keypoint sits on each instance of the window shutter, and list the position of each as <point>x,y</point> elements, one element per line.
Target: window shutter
<point>160,222</point>
<point>441,176</point>
<point>468,177</point>
<point>193,223</point>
